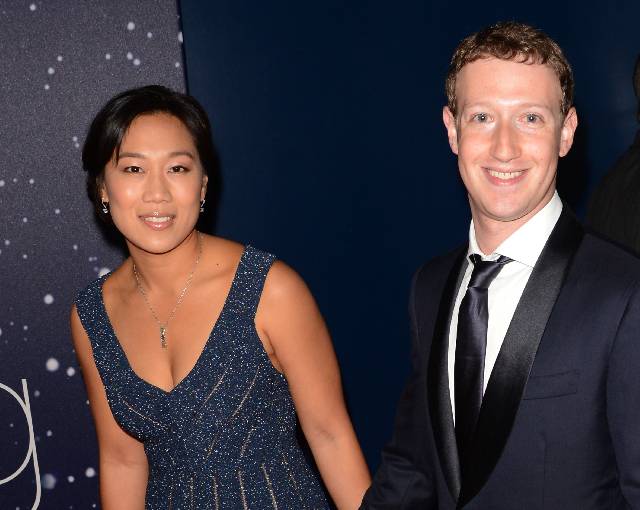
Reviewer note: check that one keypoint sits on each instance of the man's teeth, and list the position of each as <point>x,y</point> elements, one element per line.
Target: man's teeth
<point>505,175</point>
<point>157,219</point>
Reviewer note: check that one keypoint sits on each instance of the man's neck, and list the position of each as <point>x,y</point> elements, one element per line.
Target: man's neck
<point>491,233</point>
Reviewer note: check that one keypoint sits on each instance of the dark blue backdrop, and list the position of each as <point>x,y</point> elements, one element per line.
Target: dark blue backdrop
<point>327,118</point>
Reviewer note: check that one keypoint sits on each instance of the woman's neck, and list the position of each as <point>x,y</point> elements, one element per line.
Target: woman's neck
<point>167,272</point>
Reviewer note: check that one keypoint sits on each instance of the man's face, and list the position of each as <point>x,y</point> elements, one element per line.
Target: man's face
<point>508,135</point>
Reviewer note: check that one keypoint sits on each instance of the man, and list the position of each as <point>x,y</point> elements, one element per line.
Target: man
<point>615,207</point>
<point>525,385</point>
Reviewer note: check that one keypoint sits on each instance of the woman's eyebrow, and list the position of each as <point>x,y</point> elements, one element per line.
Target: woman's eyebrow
<point>142,156</point>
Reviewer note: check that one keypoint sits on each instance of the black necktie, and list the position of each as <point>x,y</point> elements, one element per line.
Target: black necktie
<point>471,344</point>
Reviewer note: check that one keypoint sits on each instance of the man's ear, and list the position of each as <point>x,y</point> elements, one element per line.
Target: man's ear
<point>203,189</point>
<point>568,130</point>
<point>449,120</point>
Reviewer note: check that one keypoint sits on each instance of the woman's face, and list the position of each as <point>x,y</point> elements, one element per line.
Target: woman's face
<point>155,187</point>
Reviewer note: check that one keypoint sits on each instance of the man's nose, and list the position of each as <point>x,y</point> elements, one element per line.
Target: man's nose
<point>505,146</point>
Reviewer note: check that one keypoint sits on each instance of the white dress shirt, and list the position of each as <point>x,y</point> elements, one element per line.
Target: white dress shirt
<point>523,247</point>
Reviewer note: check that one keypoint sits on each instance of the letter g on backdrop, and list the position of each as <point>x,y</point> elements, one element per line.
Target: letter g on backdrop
<point>31,449</point>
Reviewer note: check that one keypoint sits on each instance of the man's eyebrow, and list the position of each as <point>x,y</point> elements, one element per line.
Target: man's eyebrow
<point>484,105</point>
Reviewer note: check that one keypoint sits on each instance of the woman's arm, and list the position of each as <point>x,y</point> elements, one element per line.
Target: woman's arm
<point>123,463</point>
<point>291,326</point>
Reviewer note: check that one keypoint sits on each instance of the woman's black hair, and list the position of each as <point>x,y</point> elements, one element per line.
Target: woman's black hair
<point>112,122</point>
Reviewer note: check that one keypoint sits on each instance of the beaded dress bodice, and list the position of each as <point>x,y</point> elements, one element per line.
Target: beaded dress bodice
<point>225,437</point>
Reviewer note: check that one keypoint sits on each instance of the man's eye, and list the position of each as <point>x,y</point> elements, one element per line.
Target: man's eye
<point>532,118</point>
<point>179,169</point>
<point>133,169</point>
<point>480,117</point>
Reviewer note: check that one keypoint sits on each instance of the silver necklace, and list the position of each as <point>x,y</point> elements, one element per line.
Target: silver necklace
<point>161,325</point>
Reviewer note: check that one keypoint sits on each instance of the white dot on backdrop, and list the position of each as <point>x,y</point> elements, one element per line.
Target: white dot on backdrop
<point>24,220</point>
<point>15,179</point>
<point>36,393</point>
<point>32,7</point>
<point>136,61</point>
<point>57,211</point>
<point>25,327</point>
<point>177,64</point>
<point>149,35</point>
<point>7,242</point>
<point>49,433</point>
<point>49,481</point>
<point>25,256</point>
<point>75,247</point>
<point>90,472</point>
<point>71,479</point>
<point>0,331</point>
<point>131,25</point>
<point>59,59</point>
<point>31,181</point>
<point>180,36</point>
<point>1,183</point>
<point>51,70</point>
<point>107,56</point>
<point>46,86</point>
<point>71,371</point>
<point>129,55</point>
<point>52,364</point>
<point>48,299</point>
<point>74,138</point>
<point>76,145</point>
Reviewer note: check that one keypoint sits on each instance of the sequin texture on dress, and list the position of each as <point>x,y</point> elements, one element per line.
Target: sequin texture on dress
<point>225,437</point>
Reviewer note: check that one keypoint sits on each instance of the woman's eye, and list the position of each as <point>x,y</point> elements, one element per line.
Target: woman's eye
<point>179,169</point>
<point>133,169</point>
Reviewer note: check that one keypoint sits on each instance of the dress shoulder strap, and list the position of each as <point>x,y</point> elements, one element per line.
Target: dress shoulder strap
<point>95,321</point>
<point>249,281</point>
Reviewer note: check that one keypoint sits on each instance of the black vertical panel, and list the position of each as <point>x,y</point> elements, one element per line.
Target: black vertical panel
<point>60,61</point>
<point>327,116</point>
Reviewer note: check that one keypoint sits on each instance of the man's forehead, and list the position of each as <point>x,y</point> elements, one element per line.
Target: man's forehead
<point>509,82</point>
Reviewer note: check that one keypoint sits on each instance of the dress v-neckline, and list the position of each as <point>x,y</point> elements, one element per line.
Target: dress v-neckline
<point>205,348</point>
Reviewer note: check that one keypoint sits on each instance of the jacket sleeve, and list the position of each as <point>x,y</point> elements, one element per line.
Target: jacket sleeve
<point>404,480</point>
<point>623,401</point>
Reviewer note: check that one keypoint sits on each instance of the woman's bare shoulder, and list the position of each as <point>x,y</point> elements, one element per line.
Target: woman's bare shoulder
<point>220,255</point>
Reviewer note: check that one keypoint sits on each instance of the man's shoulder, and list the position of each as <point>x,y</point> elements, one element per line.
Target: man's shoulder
<point>437,269</point>
<point>599,256</point>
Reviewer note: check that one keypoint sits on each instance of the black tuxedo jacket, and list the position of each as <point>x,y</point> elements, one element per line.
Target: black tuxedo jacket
<point>559,426</point>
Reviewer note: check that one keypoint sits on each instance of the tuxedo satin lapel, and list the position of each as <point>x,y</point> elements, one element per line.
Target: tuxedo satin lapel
<point>438,381</point>
<point>511,371</point>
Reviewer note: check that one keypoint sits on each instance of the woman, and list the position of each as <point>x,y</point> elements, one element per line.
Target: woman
<point>197,352</point>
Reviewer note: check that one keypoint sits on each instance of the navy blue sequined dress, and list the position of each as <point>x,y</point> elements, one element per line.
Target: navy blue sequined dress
<point>225,436</point>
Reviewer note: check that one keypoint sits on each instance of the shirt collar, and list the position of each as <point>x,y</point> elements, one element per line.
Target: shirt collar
<point>526,243</point>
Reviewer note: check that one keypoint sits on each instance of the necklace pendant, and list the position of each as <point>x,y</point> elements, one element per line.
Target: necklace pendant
<point>163,337</point>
